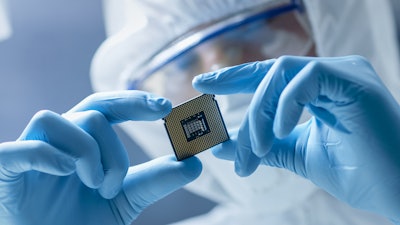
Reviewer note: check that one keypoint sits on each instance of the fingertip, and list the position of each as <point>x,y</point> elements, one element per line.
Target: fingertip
<point>260,143</point>
<point>225,150</point>
<point>191,168</point>
<point>199,78</point>
<point>112,183</point>
<point>245,169</point>
<point>114,176</point>
<point>110,192</point>
<point>278,132</point>
<point>287,115</point>
<point>260,153</point>
<point>92,180</point>
<point>282,128</point>
<point>242,78</point>
<point>246,164</point>
<point>120,106</point>
<point>240,171</point>
<point>159,104</point>
<point>201,81</point>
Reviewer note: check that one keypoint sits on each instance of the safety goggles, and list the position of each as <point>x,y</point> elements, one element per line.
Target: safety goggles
<point>267,32</point>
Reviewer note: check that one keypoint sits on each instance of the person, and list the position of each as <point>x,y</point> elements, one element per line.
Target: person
<point>91,119</point>
<point>158,47</point>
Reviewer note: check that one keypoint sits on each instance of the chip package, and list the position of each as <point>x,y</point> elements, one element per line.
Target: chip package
<point>195,125</point>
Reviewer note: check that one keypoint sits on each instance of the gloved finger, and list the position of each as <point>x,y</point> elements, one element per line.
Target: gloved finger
<point>226,150</point>
<point>290,107</point>
<point>50,127</point>
<point>151,181</point>
<point>262,109</point>
<point>114,157</point>
<point>316,86</point>
<point>290,152</point>
<point>22,156</point>
<point>246,162</point>
<point>115,107</point>
<point>121,106</point>
<point>243,78</point>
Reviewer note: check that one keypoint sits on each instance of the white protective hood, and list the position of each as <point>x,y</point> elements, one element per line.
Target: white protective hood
<point>367,28</point>
<point>137,29</point>
<point>5,27</point>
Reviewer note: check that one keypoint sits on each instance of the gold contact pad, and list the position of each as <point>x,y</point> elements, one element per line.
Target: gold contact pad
<point>195,125</point>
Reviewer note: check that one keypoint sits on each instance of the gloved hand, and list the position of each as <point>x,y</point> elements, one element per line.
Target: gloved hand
<point>69,169</point>
<point>351,146</point>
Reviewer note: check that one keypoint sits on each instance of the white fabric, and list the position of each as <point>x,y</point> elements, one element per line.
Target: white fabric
<point>270,196</point>
<point>5,27</point>
<point>314,211</point>
<point>367,28</point>
<point>396,13</point>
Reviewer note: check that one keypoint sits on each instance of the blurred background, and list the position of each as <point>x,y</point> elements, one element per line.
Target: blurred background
<point>45,65</point>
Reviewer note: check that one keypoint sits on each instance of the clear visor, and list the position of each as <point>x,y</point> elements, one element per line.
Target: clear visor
<point>249,36</point>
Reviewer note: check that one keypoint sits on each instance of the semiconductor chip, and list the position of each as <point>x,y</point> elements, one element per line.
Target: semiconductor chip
<point>195,125</point>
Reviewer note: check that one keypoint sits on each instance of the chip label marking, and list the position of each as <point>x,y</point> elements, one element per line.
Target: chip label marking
<point>195,126</point>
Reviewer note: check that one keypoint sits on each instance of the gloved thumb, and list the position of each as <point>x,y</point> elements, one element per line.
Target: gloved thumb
<point>287,153</point>
<point>151,181</point>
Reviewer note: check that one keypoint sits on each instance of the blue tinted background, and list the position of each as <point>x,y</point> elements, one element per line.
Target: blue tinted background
<point>45,65</point>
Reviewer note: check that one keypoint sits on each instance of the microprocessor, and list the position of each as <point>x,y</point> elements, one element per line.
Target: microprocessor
<point>195,125</point>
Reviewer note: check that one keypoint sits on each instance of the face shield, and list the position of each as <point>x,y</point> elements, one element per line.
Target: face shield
<point>269,31</point>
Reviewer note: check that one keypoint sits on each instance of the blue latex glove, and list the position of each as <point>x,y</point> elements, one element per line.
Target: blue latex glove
<point>350,148</point>
<point>72,169</point>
